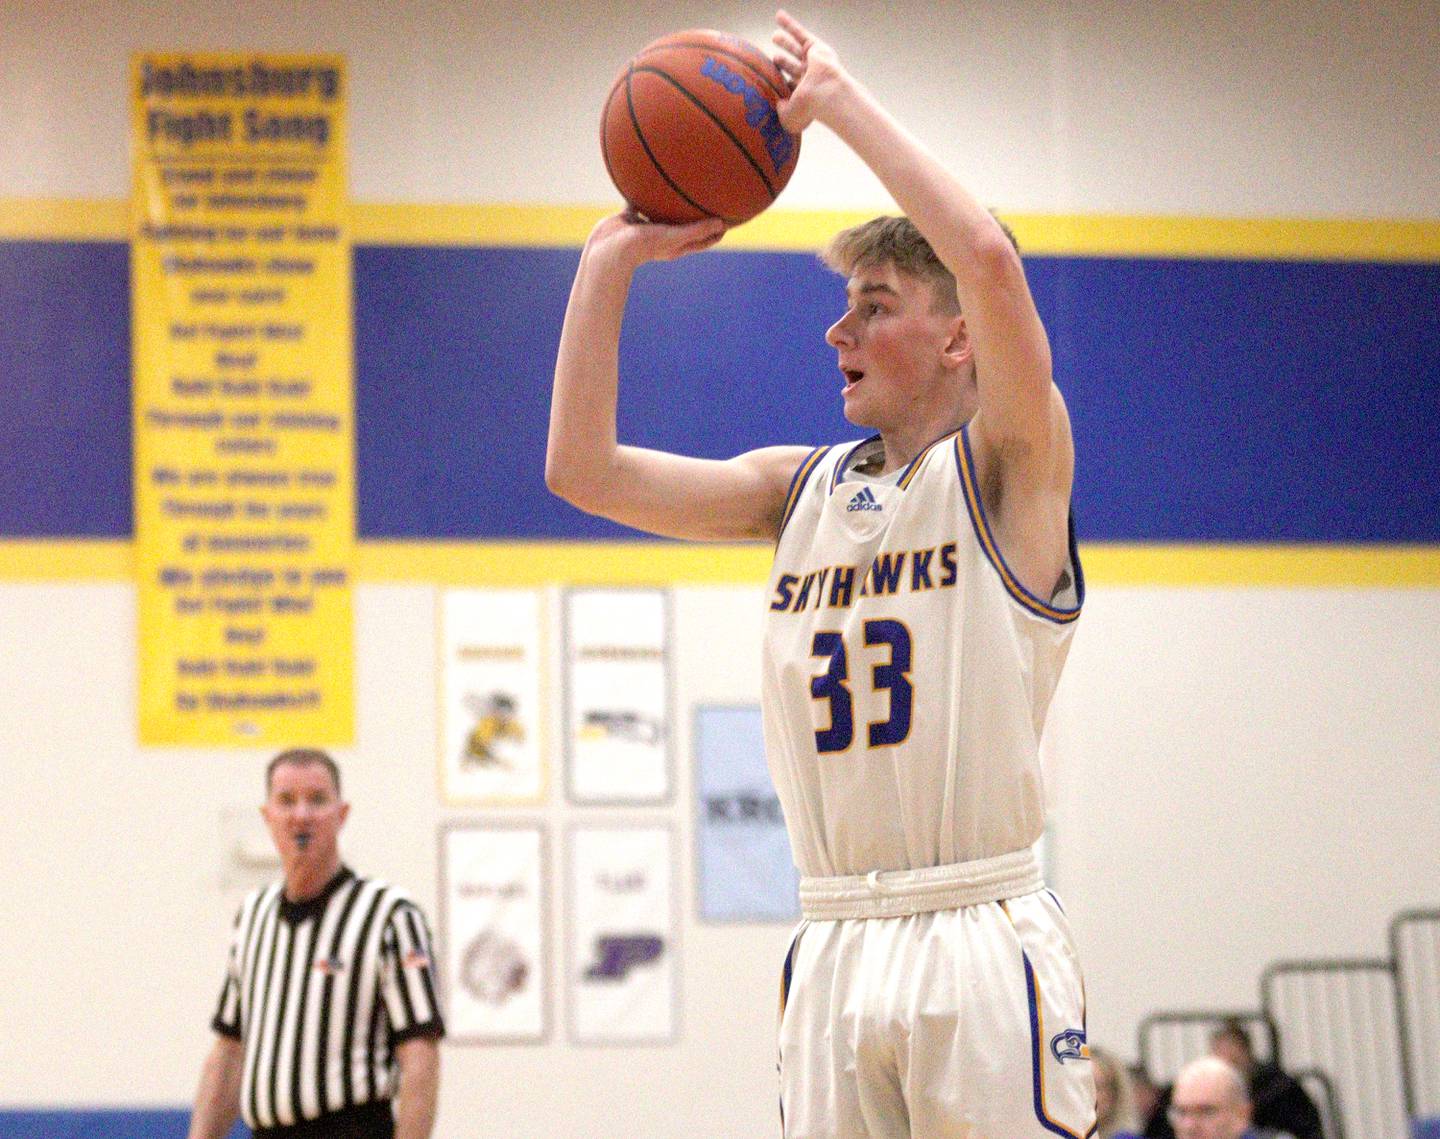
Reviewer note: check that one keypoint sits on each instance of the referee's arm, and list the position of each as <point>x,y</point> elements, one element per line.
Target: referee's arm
<point>419,1060</point>
<point>408,989</point>
<point>217,1102</point>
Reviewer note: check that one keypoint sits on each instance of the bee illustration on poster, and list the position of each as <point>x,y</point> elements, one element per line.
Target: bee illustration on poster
<point>492,926</point>
<point>492,685</point>
<point>617,696</point>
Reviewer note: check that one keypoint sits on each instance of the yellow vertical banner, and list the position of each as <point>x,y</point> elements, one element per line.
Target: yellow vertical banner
<point>240,279</point>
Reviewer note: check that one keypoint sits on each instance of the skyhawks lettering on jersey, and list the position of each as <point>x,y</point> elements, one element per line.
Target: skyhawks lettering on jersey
<point>907,671</point>
<point>321,992</point>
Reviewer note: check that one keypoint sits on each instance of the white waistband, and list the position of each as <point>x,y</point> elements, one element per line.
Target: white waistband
<point>899,893</point>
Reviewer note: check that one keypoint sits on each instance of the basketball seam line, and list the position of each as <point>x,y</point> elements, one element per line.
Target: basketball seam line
<point>650,154</point>
<point>740,146</point>
<point>604,118</point>
<point>701,46</point>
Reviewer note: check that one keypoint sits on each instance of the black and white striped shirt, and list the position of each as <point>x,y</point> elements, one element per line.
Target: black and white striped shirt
<point>320,992</point>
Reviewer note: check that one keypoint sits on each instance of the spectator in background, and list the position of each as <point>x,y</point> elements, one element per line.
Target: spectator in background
<point>1209,1101</point>
<point>1157,1123</point>
<point>1115,1116</point>
<point>1277,1098</point>
<point>1146,1096</point>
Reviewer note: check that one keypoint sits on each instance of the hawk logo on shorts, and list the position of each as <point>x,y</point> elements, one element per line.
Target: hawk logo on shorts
<point>1070,1045</point>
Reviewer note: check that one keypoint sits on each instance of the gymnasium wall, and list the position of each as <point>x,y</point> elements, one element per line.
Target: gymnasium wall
<point>1232,220</point>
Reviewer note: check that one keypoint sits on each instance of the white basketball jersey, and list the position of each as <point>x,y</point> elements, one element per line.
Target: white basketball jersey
<point>907,673</point>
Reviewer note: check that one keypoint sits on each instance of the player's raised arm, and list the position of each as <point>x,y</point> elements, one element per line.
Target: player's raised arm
<point>1021,431</point>
<point>672,495</point>
<point>1012,353</point>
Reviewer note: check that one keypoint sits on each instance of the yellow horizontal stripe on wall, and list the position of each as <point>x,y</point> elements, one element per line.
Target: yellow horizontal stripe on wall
<point>1265,239</point>
<point>64,219</point>
<point>583,563</point>
<point>680,563</point>
<point>66,560</point>
<point>1085,235</point>
<point>1279,566</point>
<point>373,223</point>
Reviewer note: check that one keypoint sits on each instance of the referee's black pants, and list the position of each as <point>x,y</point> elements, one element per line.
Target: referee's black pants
<point>368,1121</point>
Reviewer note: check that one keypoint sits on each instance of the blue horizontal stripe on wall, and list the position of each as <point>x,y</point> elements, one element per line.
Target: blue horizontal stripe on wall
<point>455,351</point>
<point>1250,401</point>
<point>1213,401</point>
<point>117,1123</point>
<point>65,387</point>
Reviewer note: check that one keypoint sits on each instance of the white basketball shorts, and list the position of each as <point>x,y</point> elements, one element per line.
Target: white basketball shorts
<point>965,1023</point>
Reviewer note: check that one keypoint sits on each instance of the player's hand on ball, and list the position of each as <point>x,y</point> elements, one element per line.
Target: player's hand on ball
<point>640,240</point>
<point>811,67</point>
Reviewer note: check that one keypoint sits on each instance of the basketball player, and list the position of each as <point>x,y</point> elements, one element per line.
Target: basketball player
<point>923,595</point>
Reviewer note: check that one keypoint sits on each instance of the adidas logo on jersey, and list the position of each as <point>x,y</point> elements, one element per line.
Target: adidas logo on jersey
<point>864,500</point>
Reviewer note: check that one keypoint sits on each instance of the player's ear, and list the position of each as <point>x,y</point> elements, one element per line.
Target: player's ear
<point>958,350</point>
<point>344,813</point>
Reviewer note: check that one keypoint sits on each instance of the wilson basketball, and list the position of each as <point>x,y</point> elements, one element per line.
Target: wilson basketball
<point>689,129</point>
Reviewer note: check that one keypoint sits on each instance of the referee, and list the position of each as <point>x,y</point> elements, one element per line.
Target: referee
<point>328,1025</point>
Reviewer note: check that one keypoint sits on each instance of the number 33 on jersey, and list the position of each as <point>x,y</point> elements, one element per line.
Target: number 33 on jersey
<point>907,672</point>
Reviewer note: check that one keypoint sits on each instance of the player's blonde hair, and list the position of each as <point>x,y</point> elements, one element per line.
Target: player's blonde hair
<point>895,241</point>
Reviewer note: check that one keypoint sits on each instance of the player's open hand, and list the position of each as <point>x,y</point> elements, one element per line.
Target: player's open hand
<point>632,237</point>
<point>811,67</point>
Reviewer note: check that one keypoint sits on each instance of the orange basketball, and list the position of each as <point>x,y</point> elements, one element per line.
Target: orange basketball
<point>689,129</point>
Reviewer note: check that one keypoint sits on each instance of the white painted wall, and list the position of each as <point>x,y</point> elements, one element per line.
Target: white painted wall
<point>1239,774</point>
<point>1222,107</point>
<point>1247,775</point>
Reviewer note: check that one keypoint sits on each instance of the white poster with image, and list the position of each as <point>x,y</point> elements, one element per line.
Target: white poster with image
<point>623,957</point>
<point>492,928</point>
<point>617,718</point>
<point>492,722</point>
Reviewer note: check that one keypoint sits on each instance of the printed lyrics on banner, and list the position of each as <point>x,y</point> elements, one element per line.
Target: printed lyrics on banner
<point>243,403</point>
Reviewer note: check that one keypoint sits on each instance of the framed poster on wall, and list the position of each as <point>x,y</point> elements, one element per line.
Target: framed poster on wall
<point>622,960</point>
<point>493,919</point>
<point>492,723</point>
<point>744,868</point>
<point>617,696</point>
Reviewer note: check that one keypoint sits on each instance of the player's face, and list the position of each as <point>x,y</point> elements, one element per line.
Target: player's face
<point>893,343</point>
<point>304,813</point>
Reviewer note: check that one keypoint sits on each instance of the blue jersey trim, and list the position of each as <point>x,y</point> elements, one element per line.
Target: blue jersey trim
<point>797,484</point>
<point>965,464</point>
<point>1037,1037</point>
<point>906,476</point>
<point>786,973</point>
<point>913,469</point>
<point>844,464</point>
